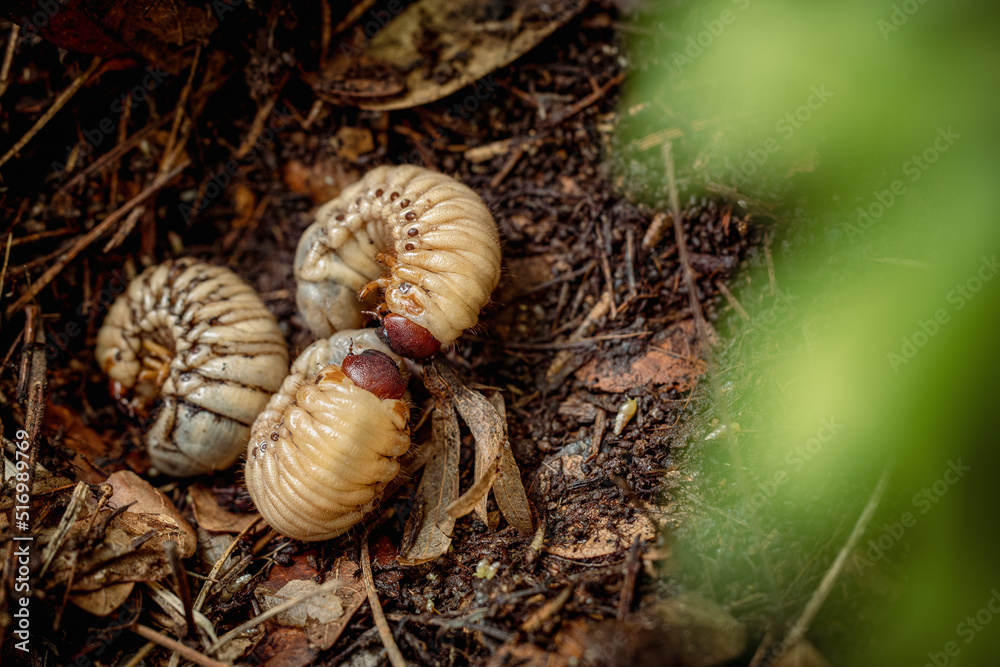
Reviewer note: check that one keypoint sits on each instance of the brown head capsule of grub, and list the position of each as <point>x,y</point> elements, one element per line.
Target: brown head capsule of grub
<point>407,338</point>
<point>376,372</point>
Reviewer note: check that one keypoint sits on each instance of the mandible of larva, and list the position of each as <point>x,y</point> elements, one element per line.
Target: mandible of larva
<point>324,448</point>
<point>195,343</point>
<point>426,240</point>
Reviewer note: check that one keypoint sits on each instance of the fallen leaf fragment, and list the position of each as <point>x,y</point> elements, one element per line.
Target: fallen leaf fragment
<point>295,637</point>
<point>210,515</point>
<point>429,526</point>
<point>104,601</point>
<point>130,488</point>
<point>434,47</point>
<point>671,359</point>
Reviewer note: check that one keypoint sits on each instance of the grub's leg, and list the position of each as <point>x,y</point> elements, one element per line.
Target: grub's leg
<point>156,372</point>
<point>377,284</point>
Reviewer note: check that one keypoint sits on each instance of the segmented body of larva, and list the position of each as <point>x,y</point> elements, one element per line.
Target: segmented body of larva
<point>426,240</point>
<point>324,448</point>
<point>199,341</point>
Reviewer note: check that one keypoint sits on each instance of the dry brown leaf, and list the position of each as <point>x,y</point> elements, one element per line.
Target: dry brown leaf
<point>104,601</point>
<point>296,646</point>
<point>508,488</point>
<point>131,550</point>
<point>130,488</point>
<point>602,540</point>
<point>429,526</point>
<point>488,430</point>
<point>212,517</point>
<point>86,443</point>
<point>672,358</point>
<point>443,45</point>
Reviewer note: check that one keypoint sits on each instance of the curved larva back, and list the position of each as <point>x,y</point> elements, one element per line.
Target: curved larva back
<point>321,454</point>
<point>441,244</point>
<point>204,333</point>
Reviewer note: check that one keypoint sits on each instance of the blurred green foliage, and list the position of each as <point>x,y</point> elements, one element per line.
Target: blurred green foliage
<point>868,133</point>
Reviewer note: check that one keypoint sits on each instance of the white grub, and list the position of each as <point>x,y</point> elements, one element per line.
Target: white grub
<point>423,238</point>
<point>323,450</point>
<point>199,341</point>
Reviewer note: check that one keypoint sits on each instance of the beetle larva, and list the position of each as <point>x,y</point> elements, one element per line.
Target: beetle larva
<point>199,340</point>
<point>322,451</point>
<point>426,240</point>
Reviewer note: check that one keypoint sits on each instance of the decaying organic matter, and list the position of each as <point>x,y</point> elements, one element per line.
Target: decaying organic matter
<point>196,345</point>
<point>322,452</point>
<point>435,236</point>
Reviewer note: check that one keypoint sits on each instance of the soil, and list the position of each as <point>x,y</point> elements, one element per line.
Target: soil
<point>570,234</point>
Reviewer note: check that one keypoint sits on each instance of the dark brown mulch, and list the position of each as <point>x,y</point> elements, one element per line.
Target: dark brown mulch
<point>569,234</point>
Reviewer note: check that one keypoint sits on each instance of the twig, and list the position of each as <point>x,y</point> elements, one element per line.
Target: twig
<point>126,228</point>
<point>112,155</point>
<point>257,126</point>
<point>324,39</point>
<point>631,574</point>
<point>507,166</point>
<point>802,623</point>
<point>203,593</point>
<point>384,631</point>
<point>8,56</point>
<point>655,230</point>
<point>630,262</point>
<point>6,259</point>
<point>140,655</point>
<point>606,268</point>
<point>588,100</point>
<point>174,645</point>
<point>273,611</point>
<point>737,306</point>
<point>92,235</point>
<point>63,98</point>
<point>166,161</point>
<point>183,589</point>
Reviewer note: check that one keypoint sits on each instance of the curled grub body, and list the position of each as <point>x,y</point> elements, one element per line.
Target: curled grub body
<point>195,343</point>
<point>324,448</point>
<point>426,240</point>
